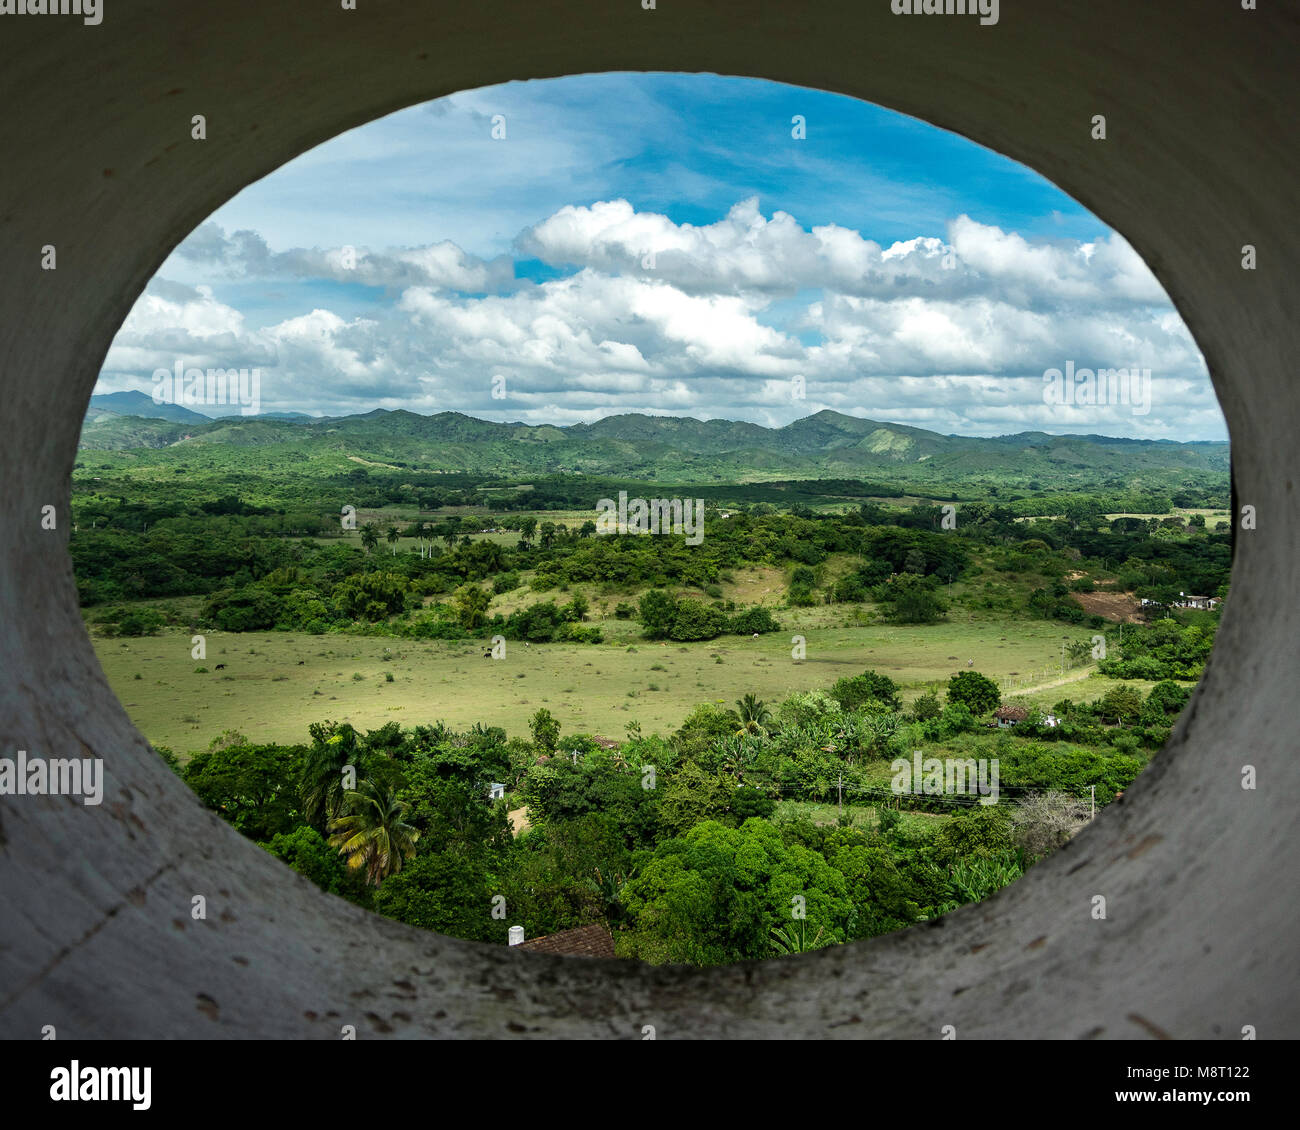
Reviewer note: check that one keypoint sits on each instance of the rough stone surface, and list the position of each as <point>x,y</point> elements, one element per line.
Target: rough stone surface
<point>95,931</point>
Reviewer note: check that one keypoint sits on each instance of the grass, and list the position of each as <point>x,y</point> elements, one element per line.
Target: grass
<point>275,683</point>
<point>863,816</point>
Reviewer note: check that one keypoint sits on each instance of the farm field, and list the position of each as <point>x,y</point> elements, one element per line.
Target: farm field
<point>275,683</point>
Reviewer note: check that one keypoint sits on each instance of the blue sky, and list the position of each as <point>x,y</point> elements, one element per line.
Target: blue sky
<point>902,272</point>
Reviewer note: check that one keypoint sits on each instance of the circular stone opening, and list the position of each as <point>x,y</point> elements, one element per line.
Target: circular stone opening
<point>271,960</point>
<point>385,465</point>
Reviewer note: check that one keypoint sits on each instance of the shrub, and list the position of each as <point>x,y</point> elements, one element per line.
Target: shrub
<point>1044,821</point>
<point>694,620</point>
<point>854,691</point>
<point>249,609</point>
<point>1123,704</point>
<point>926,707</point>
<point>545,729</point>
<point>505,582</point>
<point>976,692</point>
<point>131,622</point>
<point>755,619</point>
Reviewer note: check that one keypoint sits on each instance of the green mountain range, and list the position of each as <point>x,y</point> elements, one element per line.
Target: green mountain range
<point>669,448</point>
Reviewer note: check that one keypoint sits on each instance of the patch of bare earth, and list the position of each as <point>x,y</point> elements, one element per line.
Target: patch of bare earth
<point>1120,607</point>
<point>519,822</point>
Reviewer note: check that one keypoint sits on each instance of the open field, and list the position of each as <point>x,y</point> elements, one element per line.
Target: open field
<point>862,815</point>
<point>275,683</point>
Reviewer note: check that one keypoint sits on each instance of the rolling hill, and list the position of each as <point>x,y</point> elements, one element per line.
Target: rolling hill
<point>668,449</point>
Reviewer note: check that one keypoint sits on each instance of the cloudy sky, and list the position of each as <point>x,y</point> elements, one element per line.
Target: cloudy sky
<point>665,244</point>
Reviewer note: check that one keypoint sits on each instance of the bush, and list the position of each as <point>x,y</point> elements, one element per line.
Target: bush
<point>755,619</point>
<point>926,707</point>
<point>910,599</point>
<point>854,691</point>
<point>1166,700</point>
<point>545,729</point>
<point>1044,821</point>
<point>249,609</point>
<point>370,596</point>
<point>800,596</point>
<point>976,692</point>
<point>131,622</point>
<point>1122,704</point>
<point>505,582</point>
<point>694,620</point>
<point>747,802</point>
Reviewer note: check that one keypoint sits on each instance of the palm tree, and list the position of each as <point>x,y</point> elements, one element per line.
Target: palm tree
<point>737,755</point>
<point>392,535</point>
<point>369,536</point>
<point>450,528</point>
<point>333,750</point>
<point>878,734</point>
<point>753,714</point>
<point>791,939</point>
<point>609,890</point>
<point>372,833</point>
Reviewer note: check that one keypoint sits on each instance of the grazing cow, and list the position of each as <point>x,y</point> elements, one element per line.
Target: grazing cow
<point>487,655</point>
<point>970,663</point>
<point>755,635</point>
<point>220,666</point>
<point>301,662</point>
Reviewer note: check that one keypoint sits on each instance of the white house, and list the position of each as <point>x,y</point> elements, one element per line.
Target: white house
<point>496,791</point>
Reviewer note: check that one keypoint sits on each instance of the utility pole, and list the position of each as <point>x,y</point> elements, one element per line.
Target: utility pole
<point>1093,788</point>
<point>841,794</point>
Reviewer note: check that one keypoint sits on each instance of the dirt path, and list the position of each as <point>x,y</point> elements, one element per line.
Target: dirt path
<point>1031,688</point>
<point>519,822</point>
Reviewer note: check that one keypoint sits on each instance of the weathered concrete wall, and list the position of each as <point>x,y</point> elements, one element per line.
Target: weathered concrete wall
<point>95,933</point>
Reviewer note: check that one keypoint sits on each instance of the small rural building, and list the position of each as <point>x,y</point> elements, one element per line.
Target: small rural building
<point>584,941</point>
<point>1189,600</point>
<point>1007,716</point>
<point>496,791</point>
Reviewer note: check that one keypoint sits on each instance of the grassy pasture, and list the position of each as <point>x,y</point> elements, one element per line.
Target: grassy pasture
<point>275,683</point>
